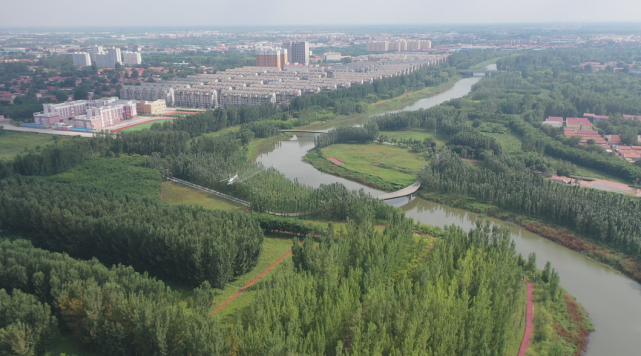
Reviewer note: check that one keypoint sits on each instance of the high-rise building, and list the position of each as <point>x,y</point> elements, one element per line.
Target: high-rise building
<point>96,50</point>
<point>131,58</point>
<point>109,59</point>
<point>297,52</point>
<point>382,46</point>
<point>270,57</point>
<point>81,59</point>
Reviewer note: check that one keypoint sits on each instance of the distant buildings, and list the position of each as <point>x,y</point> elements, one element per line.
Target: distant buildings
<point>271,57</point>
<point>402,45</point>
<point>332,56</point>
<point>81,59</point>
<point>151,107</point>
<point>87,114</point>
<point>131,58</point>
<point>271,84</point>
<point>298,52</point>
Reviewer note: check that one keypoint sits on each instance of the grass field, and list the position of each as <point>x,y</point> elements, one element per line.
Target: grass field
<point>275,246</point>
<point>416,134</point>
<point>143,127</point>
<point>509,141</point>
<point>123,174</point>
<point>176,193</point>
<point>13,142</point>
<point>390,163</point>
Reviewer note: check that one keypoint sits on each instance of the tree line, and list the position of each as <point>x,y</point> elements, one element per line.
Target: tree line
<point>506,181</point>
<point>115,311</point>
<point>180,243</point>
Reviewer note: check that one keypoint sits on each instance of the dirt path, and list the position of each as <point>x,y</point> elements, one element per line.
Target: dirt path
<point>528,320</point>
<point>250,283</point>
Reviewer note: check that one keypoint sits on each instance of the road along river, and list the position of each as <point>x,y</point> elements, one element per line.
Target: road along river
<point>612,300</point>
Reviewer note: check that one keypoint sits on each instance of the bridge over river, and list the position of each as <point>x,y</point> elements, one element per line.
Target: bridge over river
<point>306,131</point>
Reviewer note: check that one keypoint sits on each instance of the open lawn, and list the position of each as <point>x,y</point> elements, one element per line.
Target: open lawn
<point>274,247</point>
<point>14,142</point>
<point>390,163</point>
<point>123,174</point>
<point>175,193</point>
<point>510,142</point>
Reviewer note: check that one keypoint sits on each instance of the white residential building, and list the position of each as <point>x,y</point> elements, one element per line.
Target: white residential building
<point>332,56</point>
<point>109,59</point>
<point>131,58</point>
<point>81,59</point>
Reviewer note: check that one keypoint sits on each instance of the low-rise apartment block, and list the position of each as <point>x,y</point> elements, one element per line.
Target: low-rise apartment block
<point>88,114</point>
<point>156,107</point>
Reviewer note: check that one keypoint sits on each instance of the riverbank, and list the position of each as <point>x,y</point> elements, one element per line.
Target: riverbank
<point>386,105</point>
<point>629,265</point>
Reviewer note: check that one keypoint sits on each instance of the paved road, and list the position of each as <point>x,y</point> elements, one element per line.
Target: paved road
<point>7,126</point>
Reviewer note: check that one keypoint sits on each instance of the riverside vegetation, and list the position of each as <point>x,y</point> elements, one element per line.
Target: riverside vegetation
<point>511,106</point>
<point>357,290</point>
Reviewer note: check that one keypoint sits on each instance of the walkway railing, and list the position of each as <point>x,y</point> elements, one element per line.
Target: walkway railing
<point>219,194</point>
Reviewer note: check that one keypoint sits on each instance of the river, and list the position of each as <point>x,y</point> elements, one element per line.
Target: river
<point>612,300</point>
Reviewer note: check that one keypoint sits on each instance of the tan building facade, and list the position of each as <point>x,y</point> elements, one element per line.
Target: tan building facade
<point>269,57</point>
<point>151,107</point>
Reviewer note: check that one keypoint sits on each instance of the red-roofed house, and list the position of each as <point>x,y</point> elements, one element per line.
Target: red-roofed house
<point>632,117</point>
<point>614,139</point>
<point>578,123</point>
<point>588,115</point>
<point>555,118</point>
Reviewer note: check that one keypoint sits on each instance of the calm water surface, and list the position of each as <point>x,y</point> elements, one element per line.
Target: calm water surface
<point>612,300</point>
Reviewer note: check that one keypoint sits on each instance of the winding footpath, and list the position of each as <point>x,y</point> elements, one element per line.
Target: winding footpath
<point>528,320</point>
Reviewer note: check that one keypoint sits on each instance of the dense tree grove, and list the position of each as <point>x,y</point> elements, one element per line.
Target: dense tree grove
<point>116,311</point>
<point>26,325</point>
<point>467,59</point>
<point>361,294</point>
<point>367,133</point>
<point>181,243</point>
<point>505,181</point>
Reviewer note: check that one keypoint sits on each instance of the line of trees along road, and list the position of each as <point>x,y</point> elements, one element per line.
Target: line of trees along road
<point>181,243</point>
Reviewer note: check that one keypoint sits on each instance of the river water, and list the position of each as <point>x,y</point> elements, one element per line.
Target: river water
<point>612,300</point>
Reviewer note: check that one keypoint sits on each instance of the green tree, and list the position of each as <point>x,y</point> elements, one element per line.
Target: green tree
<point>81,93</point>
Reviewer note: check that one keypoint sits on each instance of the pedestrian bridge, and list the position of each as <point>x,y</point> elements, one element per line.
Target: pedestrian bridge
<point>401,193</point>
<point>306,131</point>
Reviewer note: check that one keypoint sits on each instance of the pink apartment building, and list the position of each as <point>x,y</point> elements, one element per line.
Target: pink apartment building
<point>88,114</point>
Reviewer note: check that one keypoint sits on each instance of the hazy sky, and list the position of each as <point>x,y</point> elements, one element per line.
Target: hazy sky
<point>161,13</point>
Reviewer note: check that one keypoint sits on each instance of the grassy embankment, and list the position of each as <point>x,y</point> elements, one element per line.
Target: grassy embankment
<point>13,143</point>
<point>379,166</point>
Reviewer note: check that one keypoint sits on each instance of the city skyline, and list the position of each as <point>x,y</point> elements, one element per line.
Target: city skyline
<point>121,13</point>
